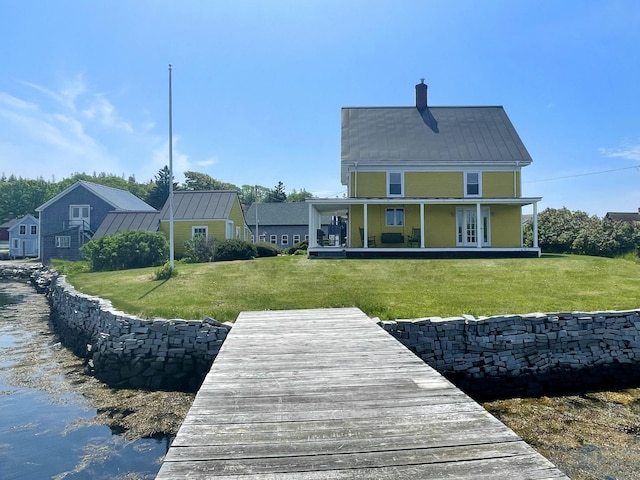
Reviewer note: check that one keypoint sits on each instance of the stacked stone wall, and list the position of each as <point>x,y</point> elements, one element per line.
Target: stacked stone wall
<point>528,354</point>
<point>127,351</point>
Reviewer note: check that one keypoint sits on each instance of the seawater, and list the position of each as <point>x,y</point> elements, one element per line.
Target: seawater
<point>49,432</point>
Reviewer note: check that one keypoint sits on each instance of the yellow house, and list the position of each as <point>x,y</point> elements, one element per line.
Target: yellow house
<point>428,181</point>
<point>213,213</point>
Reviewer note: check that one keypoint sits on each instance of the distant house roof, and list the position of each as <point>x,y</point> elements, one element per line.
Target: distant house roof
<point>624,216</point>
<point>200,205</point>
<point>10,223</point>
<point>120,199</point>
<point>116,222</point>
<point>441,136</point>
<point>291,213</point>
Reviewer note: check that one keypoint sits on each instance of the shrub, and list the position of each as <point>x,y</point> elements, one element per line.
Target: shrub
<point>266,249</point>
<point>165,272</point>
<point>296,247</point>
<point>200,249</point>
<point>130,249</point>
<point>234,250</point>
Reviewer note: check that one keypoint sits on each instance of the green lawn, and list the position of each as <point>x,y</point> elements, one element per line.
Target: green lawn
<point>388,289</point>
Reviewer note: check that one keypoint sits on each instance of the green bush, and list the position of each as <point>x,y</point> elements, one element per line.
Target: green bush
<point>165,272</point>
<point>296,247</point>
<point>200,249</point>
<point>234,250</point>
<point>266,249</point>
<point>130,249</point>
<point>564,231</point>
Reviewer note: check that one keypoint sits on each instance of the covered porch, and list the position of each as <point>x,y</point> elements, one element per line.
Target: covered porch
<point>422,228</point>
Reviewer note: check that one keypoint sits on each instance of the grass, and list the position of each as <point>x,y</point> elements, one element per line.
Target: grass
<point>388,289</point>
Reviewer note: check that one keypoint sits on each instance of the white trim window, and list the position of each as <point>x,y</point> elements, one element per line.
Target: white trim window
<point>23,229</point>
<point>472,184</point>
<point>253,239</point>
<point>34,229</point>
<point>467,227</point>
<point>262,238</point>
<point>238,232</point>
<point>80,215</point>
<point>395,217</point>
<point>296,239</point>
<point>63,241</point>
<point>228,234</point>
<point>199,231</point>
<point>285,240</point>
<point>273,239</point>
<point>306,237</point>
<point>395,184</point>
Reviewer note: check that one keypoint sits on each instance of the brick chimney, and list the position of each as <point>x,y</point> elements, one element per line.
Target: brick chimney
<point>421,95</point>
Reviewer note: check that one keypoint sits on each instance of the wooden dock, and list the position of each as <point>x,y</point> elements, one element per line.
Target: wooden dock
<point>328,394</point>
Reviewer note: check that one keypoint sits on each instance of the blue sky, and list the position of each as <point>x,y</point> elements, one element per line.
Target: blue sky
<point>258,86</point>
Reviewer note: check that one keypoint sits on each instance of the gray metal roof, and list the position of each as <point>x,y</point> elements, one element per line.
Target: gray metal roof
<point>200,205</point>
<point>116,222</point>
<point>286,213</point>
<point>438,136</point>
<point>119,199</point>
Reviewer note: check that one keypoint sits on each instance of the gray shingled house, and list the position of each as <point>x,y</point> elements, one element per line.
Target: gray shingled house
<point>69,220</point>
<point>283,224</point>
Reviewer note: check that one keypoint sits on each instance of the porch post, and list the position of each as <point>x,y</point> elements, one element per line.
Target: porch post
<point>479,225</point>
<point>421,225</point>
<point>535,224</point>
<point>365,236</point>
<point>313,241</point>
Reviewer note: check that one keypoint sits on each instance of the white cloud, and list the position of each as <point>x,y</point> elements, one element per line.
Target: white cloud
<point>628,151</point>
<point>58,132</point>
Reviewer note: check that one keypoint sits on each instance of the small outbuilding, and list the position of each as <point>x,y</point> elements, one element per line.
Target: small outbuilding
<point>24,237</point>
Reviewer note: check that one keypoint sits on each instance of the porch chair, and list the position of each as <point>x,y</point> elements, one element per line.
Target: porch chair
<point>414,239</point>
<point>371,239</point>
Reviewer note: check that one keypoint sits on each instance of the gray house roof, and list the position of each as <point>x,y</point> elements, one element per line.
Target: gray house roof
<point>624,216</point>
<point>200,205</point>
<point>120,199</point>
<point>116,222</point>
<point>438,136</point>
<point>292,213</point>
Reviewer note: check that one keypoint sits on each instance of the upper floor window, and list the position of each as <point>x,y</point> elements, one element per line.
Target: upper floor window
<point>395,184</point>
<point>199,232</point>
<point>23,229</point>
<point>34,229</point>
<point>472,185</point>
<point>395,217</point>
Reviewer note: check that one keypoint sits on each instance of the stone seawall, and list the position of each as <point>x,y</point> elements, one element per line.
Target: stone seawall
<point>489,357</point>
<point>492,357</point>
<point>127,351</point>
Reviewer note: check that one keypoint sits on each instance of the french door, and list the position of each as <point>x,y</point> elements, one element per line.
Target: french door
<point>468,228</point>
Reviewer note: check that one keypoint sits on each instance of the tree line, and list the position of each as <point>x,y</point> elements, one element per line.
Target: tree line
<point>20,196</point>
<point>565,231</point>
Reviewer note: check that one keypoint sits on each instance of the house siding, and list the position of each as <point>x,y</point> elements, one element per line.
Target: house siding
<point>434,184</point>
<point>54,221</point>
<point>500,184</point>
<point>369,184</point>
<point>440,226</point>
<point>506,226</point>
<point>182,232</point>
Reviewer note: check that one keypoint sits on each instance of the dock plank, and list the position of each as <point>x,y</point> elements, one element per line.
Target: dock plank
<point>328,394</point>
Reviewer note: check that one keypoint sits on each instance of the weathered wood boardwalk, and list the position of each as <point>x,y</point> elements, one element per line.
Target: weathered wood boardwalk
<point>328,394</point>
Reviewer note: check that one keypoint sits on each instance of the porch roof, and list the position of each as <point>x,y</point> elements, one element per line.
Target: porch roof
<point>332,204</point>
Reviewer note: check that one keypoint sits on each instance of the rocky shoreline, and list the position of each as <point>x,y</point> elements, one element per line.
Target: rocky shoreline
<point>134,413</point>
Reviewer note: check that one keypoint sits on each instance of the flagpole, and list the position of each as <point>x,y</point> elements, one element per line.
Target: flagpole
<point>171,254</point>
